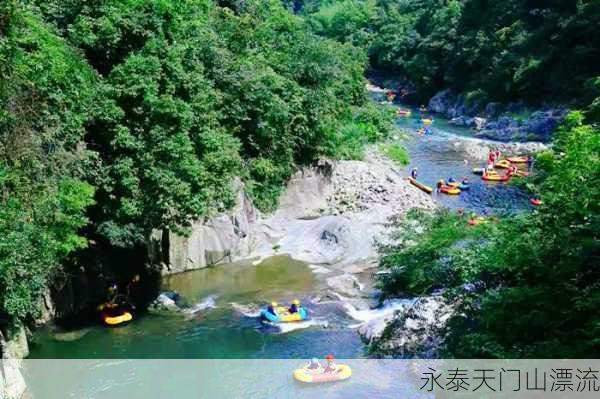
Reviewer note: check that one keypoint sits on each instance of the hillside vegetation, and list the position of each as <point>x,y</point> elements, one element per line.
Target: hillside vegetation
<point>536,51</point>
<point>120,117</point>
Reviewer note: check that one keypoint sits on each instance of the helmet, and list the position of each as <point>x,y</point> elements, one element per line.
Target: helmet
<point>273,303</point>
<point>296,302</point>
<point>314,360</point>
<point>329,357</point>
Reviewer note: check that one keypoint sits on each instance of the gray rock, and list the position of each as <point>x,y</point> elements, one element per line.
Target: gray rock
<point>14,349</point>
<point>477,123</point>
<point>221,239</point>
<point>492,110</point>
<point>442,101</point>
<point>346,285</point>
<point>413,331</point>
<point>70,336</point>
<point>163,303</point>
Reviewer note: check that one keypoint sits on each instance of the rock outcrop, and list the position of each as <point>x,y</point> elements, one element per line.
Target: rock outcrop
<point>331,214</point>
<point>511,122</point>
<point>222,238</point>
<point>413,330</point>
<point>14,349</point>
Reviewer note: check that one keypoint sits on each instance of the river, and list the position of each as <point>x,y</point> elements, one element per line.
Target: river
<point>220,304</point>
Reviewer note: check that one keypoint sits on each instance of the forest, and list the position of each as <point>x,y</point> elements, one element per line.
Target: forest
<point>121,117</point>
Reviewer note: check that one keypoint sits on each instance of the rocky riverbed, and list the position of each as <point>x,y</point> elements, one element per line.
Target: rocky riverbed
<point>495,121</point>
<point>331,216</point>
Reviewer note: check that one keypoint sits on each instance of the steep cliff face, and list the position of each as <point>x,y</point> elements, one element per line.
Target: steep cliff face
<point>220,239</point>
<point>330,214</point>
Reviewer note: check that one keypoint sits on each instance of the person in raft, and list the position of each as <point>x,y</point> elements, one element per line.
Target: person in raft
<point>439,186</point>
<point>413,173</point>
<point>314,364</point>
<point>112,293</point>
<point>331,367</point>
<point>295,308</point>
<point>271,308</point>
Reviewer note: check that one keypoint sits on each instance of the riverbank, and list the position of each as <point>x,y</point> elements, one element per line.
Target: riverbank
<point>331,216</point>
<point>502,122</point>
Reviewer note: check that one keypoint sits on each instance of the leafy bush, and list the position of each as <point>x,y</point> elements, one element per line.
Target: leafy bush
<point>397,153</point>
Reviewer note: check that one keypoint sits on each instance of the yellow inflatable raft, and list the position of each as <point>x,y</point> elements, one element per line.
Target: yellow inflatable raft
<point>518,159</point>
<point>494,177</point>
<point>284,315</point>
<point>421,186</point>
<point>427,122</point>
<point>343,372</point>
<point>116,320</point>
<point>502,164</point>
<point>450,190</point>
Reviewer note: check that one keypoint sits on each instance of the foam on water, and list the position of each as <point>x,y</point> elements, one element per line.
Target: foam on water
<point>206,303</point>
<point>387,309</point>
<point>285,328</point>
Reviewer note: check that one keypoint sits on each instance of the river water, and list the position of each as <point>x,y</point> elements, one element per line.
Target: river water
<point>436,156</point>
<point>220,304</point>
<point>219,320</point>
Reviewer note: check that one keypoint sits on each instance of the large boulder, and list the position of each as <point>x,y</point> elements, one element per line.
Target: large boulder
<point>542,124</point>
<point>164,303</point>
<point>223,238</point>
<point>442,102</point>
<point>477,123</point>
<point>346,285</point>
<point>414,330</point>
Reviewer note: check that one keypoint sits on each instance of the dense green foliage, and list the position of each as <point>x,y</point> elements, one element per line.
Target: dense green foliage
<point>46,93</point>
<point>120,117</point>
<point>493,50</point>
<point>527,286</point>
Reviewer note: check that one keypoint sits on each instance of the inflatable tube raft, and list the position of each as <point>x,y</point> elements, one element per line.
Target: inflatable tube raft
<point>403,112</point>
<point>535,201</point>
<point>518,159</point>
<point>494,177</point>
<point>343,372</point>
<point>421,186</point>
<point>450,190</point>
<point>520,173</point>
<point>115,315</point>
<point>284,315</point>
<point>502,164</point>
<point>427,122</point>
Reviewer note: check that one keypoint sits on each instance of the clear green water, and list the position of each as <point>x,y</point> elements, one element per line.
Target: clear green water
<point>222,331</point>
